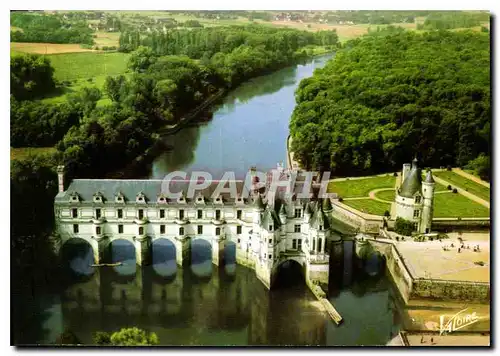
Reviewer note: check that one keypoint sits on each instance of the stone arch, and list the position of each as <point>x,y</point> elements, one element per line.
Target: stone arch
<point>78,260</point>
<point>201,258</point>
<point>163,257</point>
<point>121,249</point>
<point>285,263</point>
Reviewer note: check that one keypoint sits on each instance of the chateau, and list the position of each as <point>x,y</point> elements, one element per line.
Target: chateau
<point>415,199</point>
<point>266,232</point>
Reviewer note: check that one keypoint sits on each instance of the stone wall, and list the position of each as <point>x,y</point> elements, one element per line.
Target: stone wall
<point>366,223</point>
<point>451,290</point>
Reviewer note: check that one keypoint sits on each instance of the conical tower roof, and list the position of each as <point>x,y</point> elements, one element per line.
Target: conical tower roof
<point>413,182</point>
<point>258,202</point>
<point>327,204</point>
<point>282,209</point>
<point>429,178</point>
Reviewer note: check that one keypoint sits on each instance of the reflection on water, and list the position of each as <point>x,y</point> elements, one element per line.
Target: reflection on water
<point>249,128</point>
<point>206,305</point>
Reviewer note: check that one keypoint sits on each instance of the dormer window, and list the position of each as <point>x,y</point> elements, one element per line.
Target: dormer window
<point>270,227</point>
<point>161,199</point>
<point>140,198</point>
<point>119,198</point>
<point>98,198</point>
<point>181,199</point>
<point>74,197</point>
<point>321,228</point>
<point>200,199</point>
<point>218,199</point>
<point>418,199</point>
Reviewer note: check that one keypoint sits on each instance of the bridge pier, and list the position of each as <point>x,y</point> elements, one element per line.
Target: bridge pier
<point>218,245</point>
<point>182,251</point>
<point>99,246</point>
<point>143,250</point>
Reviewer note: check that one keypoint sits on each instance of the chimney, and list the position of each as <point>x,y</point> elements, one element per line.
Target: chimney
<point>60,177</point>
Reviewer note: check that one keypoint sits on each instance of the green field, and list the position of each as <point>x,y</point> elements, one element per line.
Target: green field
<point>368,206</point>
<point>386,195</point>
<point>461,182</point>
<point>85,70</point>
<point>24,152</point>
<point>452,205</point>
<point>74,66</point>
<point>352,188</point>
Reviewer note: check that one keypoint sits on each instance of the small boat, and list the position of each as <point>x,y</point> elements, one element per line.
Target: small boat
<point>107,264</point>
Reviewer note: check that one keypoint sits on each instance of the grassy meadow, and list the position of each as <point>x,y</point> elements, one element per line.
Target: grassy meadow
<point>353,188</point>
<point>368,206</point>
<point>452,205</point>
<point>468,185</point>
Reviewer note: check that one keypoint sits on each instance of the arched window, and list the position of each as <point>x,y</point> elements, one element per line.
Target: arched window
<point>141,230</point>
<point>217,231</point>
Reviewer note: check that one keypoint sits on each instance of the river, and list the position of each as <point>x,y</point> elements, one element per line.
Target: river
<point>202,304</point>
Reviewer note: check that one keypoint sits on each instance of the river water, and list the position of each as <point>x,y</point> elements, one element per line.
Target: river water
<point>203,304</point>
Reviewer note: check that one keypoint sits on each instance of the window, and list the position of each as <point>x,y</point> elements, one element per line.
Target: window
<point>417,199</point>
<point>298,213</point>
<point>270,256</point>
<point>217,214</point>
<point>296,228</point>
<point>181,214</point>
<point>270,227</point>
<point>141,230</point>
<point>415,226</point>
<point>200,214</point>
<point>74,213</point>
<point>120,229</point>
<point>321,228</point>
<point>294,243</point>
<point>75,228</point>
<point>416,213</point>
<point>238,214</point>
<point>162,229</point>
<point>299,244</point>
<point>120,213</point>
<point>270,241</point>
<point>217,231</point>
<point>141,213</point>
<point>98,213</point>
<point>238,229</point>
<point>162,213</point>
<point>239,240</point>
<point>200,229</point>
<point>319,245</point>
<point>314,245</point>
<point>181,231</point>
<point>98,230</point>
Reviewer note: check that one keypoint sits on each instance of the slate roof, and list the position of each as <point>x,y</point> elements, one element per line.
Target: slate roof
<point>269,217</point>
<point>413,182</point>
<point>429,178</point>
<point>109,188</point>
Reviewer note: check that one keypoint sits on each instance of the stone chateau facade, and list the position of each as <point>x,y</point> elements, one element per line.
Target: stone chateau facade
<point>266,233</point>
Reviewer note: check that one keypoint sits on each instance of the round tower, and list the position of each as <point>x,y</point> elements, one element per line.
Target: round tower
<point>428,186</point>
<point>282,214</point>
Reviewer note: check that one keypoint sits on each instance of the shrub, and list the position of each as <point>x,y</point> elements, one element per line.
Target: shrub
<point>403,227</point>
<point>448,168</point>
<point>387,213</point>
<point>455,190</point>
<point>395,174</point>
<point>90,80</point>
<point>341,199</point>
<point>449,187</point>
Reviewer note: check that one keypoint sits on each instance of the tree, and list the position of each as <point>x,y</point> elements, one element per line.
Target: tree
<point>85,100</point>
<point>67,338</point>
<point>31,76</point>
<point>126,337</point>
<point>403,227</point>
<point>141,59</point>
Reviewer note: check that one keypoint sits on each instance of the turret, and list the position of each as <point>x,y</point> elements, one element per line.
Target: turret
<point>327,205</point>
<point>258,208</point>
<point>282,214</point>
<point>428,186</point>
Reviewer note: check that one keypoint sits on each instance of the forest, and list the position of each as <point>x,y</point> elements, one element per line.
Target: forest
<point>383,100</point>
<point>44,28</point>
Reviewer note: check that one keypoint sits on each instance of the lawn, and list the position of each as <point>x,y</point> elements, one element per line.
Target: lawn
<point>24,152</point>
<point>368,206</point>
<point>386,195</point>
<point>351,188</point>
<point>448,205</point>
<point>46,48</point>
<point>72,66</point>
<point>464,183</point>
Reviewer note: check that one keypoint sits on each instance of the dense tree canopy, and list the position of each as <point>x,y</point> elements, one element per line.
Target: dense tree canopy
<point>44,28</point>
<point>383,99</point>
<point>126,337</point>
<point>31,76</point>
